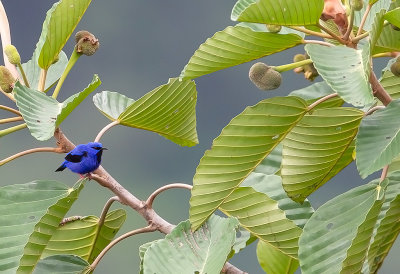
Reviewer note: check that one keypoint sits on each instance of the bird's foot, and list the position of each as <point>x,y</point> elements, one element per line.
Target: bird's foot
<point>87,175</point>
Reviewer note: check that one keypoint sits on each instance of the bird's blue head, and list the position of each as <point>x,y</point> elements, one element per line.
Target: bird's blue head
<point>95,146</point>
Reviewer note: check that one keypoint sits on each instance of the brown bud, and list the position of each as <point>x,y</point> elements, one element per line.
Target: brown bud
<point>86,43</point>
<point>274,28</point>
<point>7,80</point>
<point>395,68</point>
<point>264,77</point>
<point>12,54</point>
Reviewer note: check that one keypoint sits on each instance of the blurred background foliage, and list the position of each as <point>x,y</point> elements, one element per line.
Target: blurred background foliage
<point>142,44</point>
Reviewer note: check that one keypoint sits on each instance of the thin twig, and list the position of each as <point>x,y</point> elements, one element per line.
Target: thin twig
<point>21,69</point>
<point>107,127</point>
<point>359,37</point>
<point>372,110</point>
<point>149,202</point>
<point>42,80</point>
<point>117,240</point>
<point>10,110</point>
<point>321,100</point>
<point>10,120</point>
<point>318,42</point>
<point>350,25</point>
<point>105,210</point>
<point>30,151</point>
<point>331,33</point>
<point>9,130</point>
<point>310,32</point>
<point>364,18</point>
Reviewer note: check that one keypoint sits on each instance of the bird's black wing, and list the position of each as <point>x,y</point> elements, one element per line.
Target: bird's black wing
<point>75,158</point>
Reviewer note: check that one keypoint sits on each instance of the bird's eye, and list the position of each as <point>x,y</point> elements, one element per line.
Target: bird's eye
<point>97,148</point>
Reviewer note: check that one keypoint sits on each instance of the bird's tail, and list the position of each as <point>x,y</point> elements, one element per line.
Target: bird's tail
<point>61,168</point>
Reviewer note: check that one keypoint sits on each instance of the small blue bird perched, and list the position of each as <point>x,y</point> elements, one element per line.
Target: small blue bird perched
<point>84,158</point>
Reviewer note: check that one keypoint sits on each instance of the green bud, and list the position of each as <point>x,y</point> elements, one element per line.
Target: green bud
<point>299,57</point>
<point>264,77</point>
<point>274,28</point>
<point>7,80</point>
<point>357,5</point>
<point>12,54</point>
<point>395,68</point>
<point>87,43</point>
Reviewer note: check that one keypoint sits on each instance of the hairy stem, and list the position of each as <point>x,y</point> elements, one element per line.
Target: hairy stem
<point>292,65</point>
<point>29,151</point>
<point>9,120</point>
<point>21,69</point>
<point>321,100</point>
<point>9,130</point>
<point>323,43</point>
<point>310,32</point>
<point>107,127</point>
<point>10,110</point>
<point>149,201</point>
<point>364,18</point>
<point>72,60</point>
<point>117,240</point>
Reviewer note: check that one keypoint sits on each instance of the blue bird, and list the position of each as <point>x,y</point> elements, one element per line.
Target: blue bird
<point>84,158</point>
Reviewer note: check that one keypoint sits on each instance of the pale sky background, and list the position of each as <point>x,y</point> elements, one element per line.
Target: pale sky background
<point>143,43</point>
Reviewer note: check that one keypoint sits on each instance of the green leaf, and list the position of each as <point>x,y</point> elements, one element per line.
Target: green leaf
<point>377,7</point>
<point>60,22</point>
<point>338,234</point>
<point>241,146</point>
<point>236,45</point>
<point>22,208</point>
<point>243,239</point>
<point>205,251</point>
<point>83,238</point>
<point>111,104</point>
<point>46,227</point>
<point>317,149</point>
<point>388,41</point>
<point>32,70</point>
<point>393,17</point>
<point>378,139</point>
<point>376,30</point>
<point>142,250</point>
<point>391,83</point>
<point>169,110</point>
<point>345,70</point>
<point>273,261</point>
<point>272,163</point>
<point>42,113</point>
<point>284,12</point>
<point>62,264</point>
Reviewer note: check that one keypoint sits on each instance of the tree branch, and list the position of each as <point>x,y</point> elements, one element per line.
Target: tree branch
<point>10,110</point>
<point>378,91</point>
<point>364,18</point>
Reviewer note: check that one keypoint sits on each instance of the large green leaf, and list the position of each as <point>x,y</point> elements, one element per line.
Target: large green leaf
<point>283,12</point>
<point>273,261</point>
<point>377,7</point>
<point>391,84</point>
<point>378,141</point>
<point>241,146</point>
<point>388,41</point>
<point>60,22</point>
<point>169,110</point>
<point>42,113</point>
<point>393,17</point>
<point>24,209</point>
<point>376,30</point>
<point>62,264</point>
<point>204,251</point>
<point>315,150</point>
<point>111,104</point>
<point>345,70</point>
<point>337,236</point>
<point>236,45</point>
<point>243,239</point>
<point>272,163</point>
<point>142,250</point>
<point>84,237</point>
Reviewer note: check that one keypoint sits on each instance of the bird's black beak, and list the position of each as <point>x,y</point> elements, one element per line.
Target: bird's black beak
<point>103,148</point>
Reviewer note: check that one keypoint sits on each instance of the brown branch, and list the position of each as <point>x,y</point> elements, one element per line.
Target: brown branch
<point>372,110</point>
<point>10,120</point>
<point>10,110</point>
<point>364,18</point>
<point>321,100</point>
<point>107,127</point>
<point>149,202</point>
<point>30,151</point>
<point>105,210</point>
<point>378,91</point>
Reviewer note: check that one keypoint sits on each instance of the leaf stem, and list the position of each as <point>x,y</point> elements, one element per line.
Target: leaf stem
<point>384,173</point>
<point>10,110</point>
<point>9,95</point>
<point>42,80</point>
<point>117,240</point>
<point>363,20</point>
<point>150,200</point>
<point>350,27</point>
<point>21,69</point>
<point>321,100</point>
<point>30,151</point>
<point>105,210</point>
<point>334,36</point>
<point>10,120</point>
<point>372,110</point>
<point>292,65</point>
<point>107,127</point>
<point>359,37</point>
<point>6,39</point>
<point>327,44</point>
<point>310,32</point>
<point>9,130</point>
<point>378,90</point>
<point>72,60</point>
